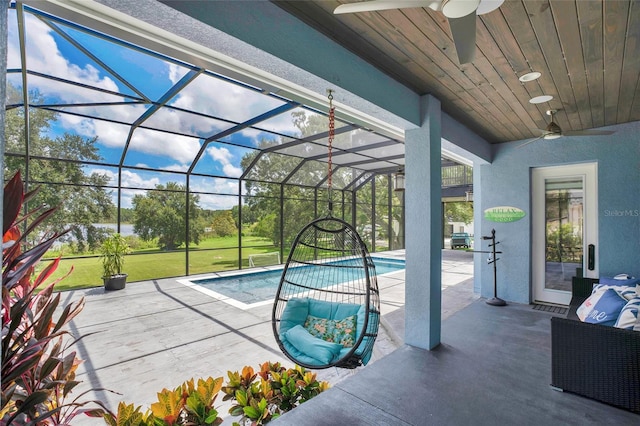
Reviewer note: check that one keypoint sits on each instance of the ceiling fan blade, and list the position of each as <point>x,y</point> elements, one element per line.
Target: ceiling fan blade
<point>463,32</point>
<point>530,141</point>
<point>588,132</point>
<point>375,5</point>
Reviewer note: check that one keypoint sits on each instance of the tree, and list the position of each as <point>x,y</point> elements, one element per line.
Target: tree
<point>461,211</point>
<point>161,214</point>
<point>264,203</point>
<point>223,224</point>
<point>83,199</point>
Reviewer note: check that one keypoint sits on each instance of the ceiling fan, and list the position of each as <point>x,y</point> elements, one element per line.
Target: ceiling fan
<point>460,13</point>
<point>553,131</point>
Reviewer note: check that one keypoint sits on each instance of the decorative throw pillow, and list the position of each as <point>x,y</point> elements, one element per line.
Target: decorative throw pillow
<point>337,331</point>
<point>629,314</point>
<point>628,292</point>
<point>602,307</point>
<point>622,279</point>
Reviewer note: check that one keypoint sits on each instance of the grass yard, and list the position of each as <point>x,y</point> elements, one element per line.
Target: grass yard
<point>212,255</point>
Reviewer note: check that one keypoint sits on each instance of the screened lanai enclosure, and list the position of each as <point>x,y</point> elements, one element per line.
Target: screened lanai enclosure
<point>199,166</point>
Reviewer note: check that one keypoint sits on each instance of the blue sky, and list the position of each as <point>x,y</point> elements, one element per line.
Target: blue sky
<point>50,53</point>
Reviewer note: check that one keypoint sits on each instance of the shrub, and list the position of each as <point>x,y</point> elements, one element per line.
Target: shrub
<point>258,398</point>
<point>263,396</point>
<point>38,371</point>
<point>188,404</point>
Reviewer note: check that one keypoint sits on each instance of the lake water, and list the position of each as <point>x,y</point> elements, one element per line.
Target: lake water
<point>125,228</point>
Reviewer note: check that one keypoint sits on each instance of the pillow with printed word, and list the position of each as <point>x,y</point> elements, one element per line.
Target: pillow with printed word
<point>602,307</point>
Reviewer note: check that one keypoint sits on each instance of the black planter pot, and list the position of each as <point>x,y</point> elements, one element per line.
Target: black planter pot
<point>115,282</point>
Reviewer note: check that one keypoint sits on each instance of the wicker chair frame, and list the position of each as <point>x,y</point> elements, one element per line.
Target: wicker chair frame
<point>329,262</point>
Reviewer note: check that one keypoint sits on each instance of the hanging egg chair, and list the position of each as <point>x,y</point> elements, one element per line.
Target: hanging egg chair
<point>327,307</point>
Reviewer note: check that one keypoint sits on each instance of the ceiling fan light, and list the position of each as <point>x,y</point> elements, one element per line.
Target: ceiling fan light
<point>530,76</point>
<point>551,136</point>
<point>459,8</point>
<point>540,99</point>
<point>487,6</point>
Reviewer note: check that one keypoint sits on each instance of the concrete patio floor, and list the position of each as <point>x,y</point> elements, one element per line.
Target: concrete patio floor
<point>157,334</point>
<point>492,368</point>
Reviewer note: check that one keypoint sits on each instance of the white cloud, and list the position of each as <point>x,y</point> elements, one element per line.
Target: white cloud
<point>217,202</point>
<point>206,94</point>
<point>217,185</point>
<point>224,157</point>
<point>44,55</point>
<point>222,99</point>
<point>176,168</point>
<point>207,201</point>
<point>181,148</point>
<point>175,73</point>
<point>132,179</point>
<point>129,178</point>
<point>283,124</point>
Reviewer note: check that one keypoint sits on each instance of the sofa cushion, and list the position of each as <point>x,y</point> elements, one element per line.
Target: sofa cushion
<point>629,314</point>
<point>602,307</point>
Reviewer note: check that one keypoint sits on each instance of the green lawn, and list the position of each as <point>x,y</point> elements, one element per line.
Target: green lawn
<point>149,264</point>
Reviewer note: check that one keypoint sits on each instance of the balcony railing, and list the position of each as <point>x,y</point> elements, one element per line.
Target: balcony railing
<point>457,175</point>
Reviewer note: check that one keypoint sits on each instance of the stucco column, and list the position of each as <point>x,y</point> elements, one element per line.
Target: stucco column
<point>423,285</point>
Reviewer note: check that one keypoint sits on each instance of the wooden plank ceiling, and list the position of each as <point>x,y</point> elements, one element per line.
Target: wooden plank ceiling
<point>588,52</point>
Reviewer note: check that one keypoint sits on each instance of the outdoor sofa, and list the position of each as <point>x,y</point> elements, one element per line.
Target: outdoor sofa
<point>597,361</point>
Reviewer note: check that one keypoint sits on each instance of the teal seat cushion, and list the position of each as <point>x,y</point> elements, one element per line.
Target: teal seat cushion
<point>295,314</point>
<point>304,342</point>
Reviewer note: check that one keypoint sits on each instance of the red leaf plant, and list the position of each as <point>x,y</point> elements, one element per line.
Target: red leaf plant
<point>38,368</point>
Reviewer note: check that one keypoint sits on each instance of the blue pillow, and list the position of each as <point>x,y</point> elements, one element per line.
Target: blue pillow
<point>630,282</point>
<point>312,346</point>
<point>602,307</point>
<point>628,317</point>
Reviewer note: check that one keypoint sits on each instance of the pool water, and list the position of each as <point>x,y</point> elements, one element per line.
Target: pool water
<point>256,287</point>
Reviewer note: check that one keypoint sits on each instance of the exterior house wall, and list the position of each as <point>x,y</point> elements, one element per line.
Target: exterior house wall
<point>507,182</point>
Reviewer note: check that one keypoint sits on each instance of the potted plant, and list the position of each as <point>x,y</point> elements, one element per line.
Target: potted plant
<point>112,253</point>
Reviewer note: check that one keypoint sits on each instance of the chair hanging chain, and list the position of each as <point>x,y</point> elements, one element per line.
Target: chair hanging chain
<point>331,136</point>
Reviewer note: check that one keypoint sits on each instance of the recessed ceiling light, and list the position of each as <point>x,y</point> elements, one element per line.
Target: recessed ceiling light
<point>540,99</point>
<point>530,76</point>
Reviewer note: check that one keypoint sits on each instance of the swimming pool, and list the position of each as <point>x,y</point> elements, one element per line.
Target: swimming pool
<point>249,289</point>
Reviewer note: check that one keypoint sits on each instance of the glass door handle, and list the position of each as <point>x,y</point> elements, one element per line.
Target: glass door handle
<point>591,259</point>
